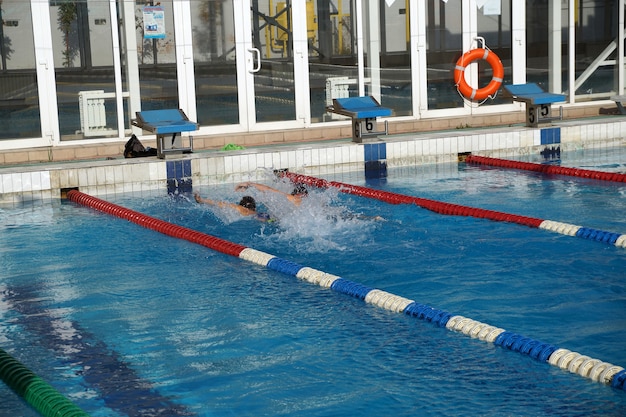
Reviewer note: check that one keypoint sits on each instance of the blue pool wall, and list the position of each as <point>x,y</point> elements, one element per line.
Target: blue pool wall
<point>44,182</point>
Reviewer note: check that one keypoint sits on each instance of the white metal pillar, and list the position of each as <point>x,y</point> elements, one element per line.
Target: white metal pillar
<point>46,80</point>
<point>117,68</point>
<point>469,34</point>
<point>419,74</point>
<point>554,47</point>
<point>184,59</point>
<point>301,61</point>
<point>359,46</point>
<point>571,74</point>
<point>620,48</point>
<point>518,42</point>
<point>131,60</point>
<point>372,39</point>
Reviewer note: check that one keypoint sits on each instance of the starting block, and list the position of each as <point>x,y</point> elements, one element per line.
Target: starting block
<point>167,122</point>
<point>363,111</point>
<point>538,102</point>
<point>618,101</point>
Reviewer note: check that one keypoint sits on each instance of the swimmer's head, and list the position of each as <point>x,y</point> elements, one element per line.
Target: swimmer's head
<point>248,202</point>
<point>299,189</point>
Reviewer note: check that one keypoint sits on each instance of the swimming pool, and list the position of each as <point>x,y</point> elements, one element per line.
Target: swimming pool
<point>192,331</point>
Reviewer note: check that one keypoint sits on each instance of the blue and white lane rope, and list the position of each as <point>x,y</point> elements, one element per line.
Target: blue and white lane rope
<point>611,238</point>
<point>574,362</point>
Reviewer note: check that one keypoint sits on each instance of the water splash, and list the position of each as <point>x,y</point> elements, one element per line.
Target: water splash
<point>321,223</point>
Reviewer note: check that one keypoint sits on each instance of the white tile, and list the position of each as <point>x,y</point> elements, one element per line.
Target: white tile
<point>126,173</point>
<point>357,155</point>
<point>236,166</point>
<point>83,178</point>
<point>35,181</point>
<point>161,171</point>
<point>100,176</point>
<point>2,184</point>
<point>412,148</point>
<point>315,157</point>
<point>16,180</point>
<point>475,146</point>
<point>490,141</point>
<point>127,187</point>
<point>63,176</point>
<point>482,142</point>
<point>307,157</point>
<point>109,173</point>
<point>454,148</point>
<point>338,155</point>
<point>291,160</point>
<point>277,161</point>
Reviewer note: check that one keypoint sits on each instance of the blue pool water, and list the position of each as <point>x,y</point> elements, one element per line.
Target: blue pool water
<point>122,319</point>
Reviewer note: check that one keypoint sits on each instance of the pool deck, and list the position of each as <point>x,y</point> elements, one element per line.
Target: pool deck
<point>44,181</point>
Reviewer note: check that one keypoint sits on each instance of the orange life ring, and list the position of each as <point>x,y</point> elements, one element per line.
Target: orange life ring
<point>496,80</point>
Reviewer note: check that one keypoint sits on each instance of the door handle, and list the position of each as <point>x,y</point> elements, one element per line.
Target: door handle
<point>257,54</point>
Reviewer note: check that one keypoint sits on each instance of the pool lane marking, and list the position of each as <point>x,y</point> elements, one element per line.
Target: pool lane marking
<point>574,362</point>
<point>546,169</point>
<point>612,238</point>
<point>121,388</point>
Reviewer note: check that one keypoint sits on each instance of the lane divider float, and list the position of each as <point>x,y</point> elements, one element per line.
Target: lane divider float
<point>38,393</point>
<point>594,369</point>
<point>440,207</point>
<point>546,169</point>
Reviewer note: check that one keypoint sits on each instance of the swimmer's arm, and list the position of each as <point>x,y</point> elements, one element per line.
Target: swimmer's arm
<point>244,211</point>
<point>366,217</point>
<point>260,187</point>
<point>209,201</point>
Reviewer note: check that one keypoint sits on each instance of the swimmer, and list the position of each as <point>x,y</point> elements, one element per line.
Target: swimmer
<point>299,191</point>
<point>297,194</point>
<point>246,207</point>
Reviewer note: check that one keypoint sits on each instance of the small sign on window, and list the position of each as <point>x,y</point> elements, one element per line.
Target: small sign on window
<point>153,22</point>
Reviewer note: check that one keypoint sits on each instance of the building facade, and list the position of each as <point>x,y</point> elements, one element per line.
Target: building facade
<point>76,72</point>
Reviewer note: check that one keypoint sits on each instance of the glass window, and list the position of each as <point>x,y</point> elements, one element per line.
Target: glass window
<point>494,26</point>
<point>543,65</point>
<point>596,32</point>
<point>19,94</point>
<point>332,55</point>
<point>387,56</point>
<point>444,47</point>
<point>272,38</point>
<point>214,62</point>
<point>333,60</point>
<point>156,53</point>
<point>83,62</point>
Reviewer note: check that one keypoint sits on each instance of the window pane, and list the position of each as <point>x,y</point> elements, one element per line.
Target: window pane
<point>19,96</point>
<point>214,62</point>
<point>83,62</point>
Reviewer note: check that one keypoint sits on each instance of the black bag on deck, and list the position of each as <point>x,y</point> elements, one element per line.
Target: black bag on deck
<point>135,149</point>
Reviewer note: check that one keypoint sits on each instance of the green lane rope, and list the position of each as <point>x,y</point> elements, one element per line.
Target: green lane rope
<point>37,392</point>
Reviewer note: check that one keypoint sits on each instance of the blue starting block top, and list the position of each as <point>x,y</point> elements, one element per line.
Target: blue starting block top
<point>365,107</point>
<point>533,94</point>
<point>164,121</point>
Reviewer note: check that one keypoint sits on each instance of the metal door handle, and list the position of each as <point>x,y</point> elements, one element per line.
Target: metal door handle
<point>257,53</point>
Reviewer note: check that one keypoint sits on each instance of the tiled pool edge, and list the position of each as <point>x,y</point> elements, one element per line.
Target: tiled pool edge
<point>41,183</point>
